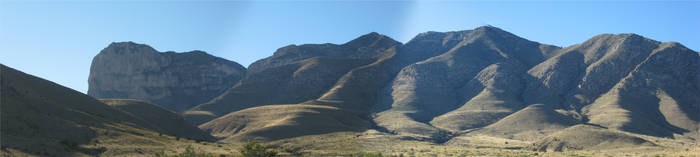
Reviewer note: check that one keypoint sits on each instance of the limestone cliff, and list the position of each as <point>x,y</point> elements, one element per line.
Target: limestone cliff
<point>175,81</point>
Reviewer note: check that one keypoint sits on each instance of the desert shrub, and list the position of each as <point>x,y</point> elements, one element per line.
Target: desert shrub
<point>189,152</point>
<point>255,149</point>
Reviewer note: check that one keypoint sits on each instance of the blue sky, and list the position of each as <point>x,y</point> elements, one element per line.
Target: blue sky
<point>56,40</point>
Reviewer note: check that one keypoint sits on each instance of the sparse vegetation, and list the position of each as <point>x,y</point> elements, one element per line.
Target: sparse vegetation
<point>370,154</point>
<point>255,149</point>
<point>189,152</point>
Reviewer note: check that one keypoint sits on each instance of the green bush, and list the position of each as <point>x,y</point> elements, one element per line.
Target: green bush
<point>255,149</point>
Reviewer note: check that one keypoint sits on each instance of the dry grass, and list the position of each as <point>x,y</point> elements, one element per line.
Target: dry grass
<point>267,123</point>
<point>163,120</point>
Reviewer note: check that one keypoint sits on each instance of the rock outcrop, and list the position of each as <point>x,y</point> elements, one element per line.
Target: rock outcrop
<point>175,81</point>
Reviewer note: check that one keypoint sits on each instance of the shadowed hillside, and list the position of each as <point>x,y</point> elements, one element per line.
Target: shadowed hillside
<point>167,122</point>
<point>41,118</point>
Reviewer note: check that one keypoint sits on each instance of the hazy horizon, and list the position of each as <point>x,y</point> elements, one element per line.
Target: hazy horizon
<point>57,40</point>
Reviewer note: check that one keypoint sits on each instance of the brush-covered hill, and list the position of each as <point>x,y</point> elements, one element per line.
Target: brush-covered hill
<point>175,81</point>
<point>587,137</point>
<point>275,122</point>
<point>42,118</point>
<point>528,124</point>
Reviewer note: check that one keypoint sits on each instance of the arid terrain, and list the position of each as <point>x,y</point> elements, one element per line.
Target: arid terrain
<point>480,92</point>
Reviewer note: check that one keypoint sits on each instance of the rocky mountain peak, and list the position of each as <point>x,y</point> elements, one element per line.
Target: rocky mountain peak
<point>372,39</point>
<point>175,81</point>
<point>128,47</point>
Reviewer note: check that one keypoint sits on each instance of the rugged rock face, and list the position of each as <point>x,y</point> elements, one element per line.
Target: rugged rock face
<point>175,81</point>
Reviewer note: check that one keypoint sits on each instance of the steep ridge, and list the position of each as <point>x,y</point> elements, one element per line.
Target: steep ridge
<point>167,121</point>
<point>500,96</point>
<point>294,74</point>
<point>361,88</point>
<point>366,46</point>
<point>43,118</point>
<point>440,84</point>
<point>175,81</point>
<point>659,97</point>
<point>581,73</point>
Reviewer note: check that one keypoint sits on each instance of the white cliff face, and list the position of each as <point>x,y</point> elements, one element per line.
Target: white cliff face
<point>175,81</point>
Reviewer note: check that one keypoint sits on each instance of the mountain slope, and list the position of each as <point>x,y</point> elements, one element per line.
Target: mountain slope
<point>175,81</point>
<point>294,74</point>
<point>440,84</point>
<point>274,122</point>
<point>586,137</point>
<point>529,124</point>
<point>468,84</point>
<point>581,73</point>
<point>659,97</point>
<point>165,121</point>
<point>500,96</point>
<point>42,118</point>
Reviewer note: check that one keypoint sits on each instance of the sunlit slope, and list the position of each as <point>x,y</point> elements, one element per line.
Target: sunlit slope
<point>276,122</point>
<point>528,124</point>
<point>659,97</point>
<point>587,137</point>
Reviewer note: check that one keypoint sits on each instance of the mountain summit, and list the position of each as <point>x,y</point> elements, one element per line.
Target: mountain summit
<point>175,81</point>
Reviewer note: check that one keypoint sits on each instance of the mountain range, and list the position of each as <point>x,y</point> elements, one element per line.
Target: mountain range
<point>448,88</point>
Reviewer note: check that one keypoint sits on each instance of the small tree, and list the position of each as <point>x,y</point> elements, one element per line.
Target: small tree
<point>255,149</point>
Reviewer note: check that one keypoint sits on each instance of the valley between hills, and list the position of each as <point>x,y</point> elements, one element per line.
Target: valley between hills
<point>480,92</point>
